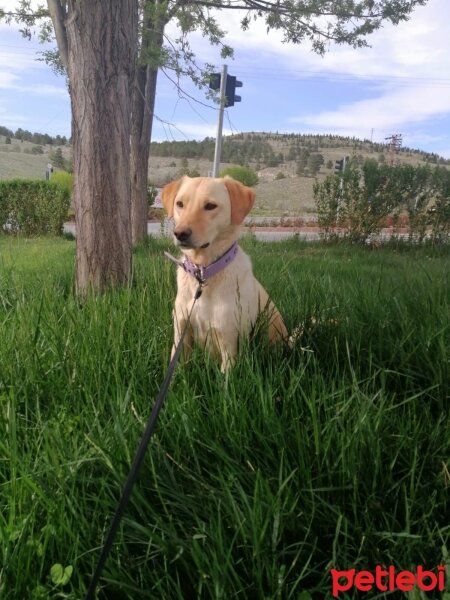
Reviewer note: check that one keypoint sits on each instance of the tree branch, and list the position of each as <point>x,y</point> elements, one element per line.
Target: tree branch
<point>276,7</point>
<point>58,14</point>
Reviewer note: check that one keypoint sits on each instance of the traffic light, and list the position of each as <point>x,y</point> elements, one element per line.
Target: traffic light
<point>214,81</point>
<point>230,87</point>
<point>339,166</point>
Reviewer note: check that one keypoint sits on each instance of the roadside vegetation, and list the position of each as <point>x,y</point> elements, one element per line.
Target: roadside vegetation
<point>362,200</point>
<point>332,455</point>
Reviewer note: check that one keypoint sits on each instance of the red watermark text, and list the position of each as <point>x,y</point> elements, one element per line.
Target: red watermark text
<point>387,580</point>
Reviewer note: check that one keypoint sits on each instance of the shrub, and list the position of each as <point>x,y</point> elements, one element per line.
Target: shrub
<point>194,172</point>
<point>33,207</point>
<point>439,213</point>
<point>357,200</point>
<point>63,179</point>
<point>414,194</point>
<point>327,196</point>
<point>152,192</point>
<point>361,200</point>
<point>243,174</point>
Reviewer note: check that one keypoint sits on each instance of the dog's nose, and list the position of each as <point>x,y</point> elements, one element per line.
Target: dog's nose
<point>182,235</point>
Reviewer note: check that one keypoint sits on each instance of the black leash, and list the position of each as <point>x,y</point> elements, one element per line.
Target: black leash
<point>139,457</point>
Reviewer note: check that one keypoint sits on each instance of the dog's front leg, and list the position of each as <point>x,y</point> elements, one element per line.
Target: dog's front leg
<point>228,351</point>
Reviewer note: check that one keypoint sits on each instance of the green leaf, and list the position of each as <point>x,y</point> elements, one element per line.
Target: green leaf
<point>39,593</point>
<point>60,575</point>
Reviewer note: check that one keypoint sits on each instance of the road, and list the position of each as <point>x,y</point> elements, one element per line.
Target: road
<point>263,234</point>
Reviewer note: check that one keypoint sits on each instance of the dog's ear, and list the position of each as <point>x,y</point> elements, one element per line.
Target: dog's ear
<point>242,199</point>
<point>168,195</point>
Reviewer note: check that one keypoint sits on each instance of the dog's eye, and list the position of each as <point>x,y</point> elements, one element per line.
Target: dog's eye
<point>210,206</point>
<point>179,204</point>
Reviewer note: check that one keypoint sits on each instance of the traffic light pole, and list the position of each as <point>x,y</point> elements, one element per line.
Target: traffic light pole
<point>217,151</point>
<point>341,188</point>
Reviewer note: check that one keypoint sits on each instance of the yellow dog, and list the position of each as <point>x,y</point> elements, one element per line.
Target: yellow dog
<point>207,214</point>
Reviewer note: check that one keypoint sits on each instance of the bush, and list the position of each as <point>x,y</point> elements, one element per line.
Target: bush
<point>327,196</point>
<point>243,174</point>
<point>37,150</point>
<point>152,192</point>
<point>194,172</point>
<point>361,199</point>
<point>33,207</point>
<point>63,179</point>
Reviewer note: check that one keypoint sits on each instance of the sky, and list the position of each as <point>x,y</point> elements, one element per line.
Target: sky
<point>399,85</point>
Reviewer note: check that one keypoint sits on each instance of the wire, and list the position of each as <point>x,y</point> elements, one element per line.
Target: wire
<point>281,74</point>
<point>233,129</point>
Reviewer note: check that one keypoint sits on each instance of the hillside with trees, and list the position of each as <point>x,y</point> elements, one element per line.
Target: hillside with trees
<point>263,150</point>
<point>25,154</point>
<point>287,165</point>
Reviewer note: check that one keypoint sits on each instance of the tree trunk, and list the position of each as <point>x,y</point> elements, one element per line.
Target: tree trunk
<point>144,93</point>
<point>101,53</point>
<point>141,131</point>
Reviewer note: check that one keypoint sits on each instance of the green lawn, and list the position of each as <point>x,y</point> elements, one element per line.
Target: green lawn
<point>334,455</point>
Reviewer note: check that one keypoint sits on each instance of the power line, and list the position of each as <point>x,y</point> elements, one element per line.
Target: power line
<point>280,74</point>
<point>290,75</point>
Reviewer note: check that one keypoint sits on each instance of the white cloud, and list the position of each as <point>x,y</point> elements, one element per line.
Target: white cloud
<point>391,110</point>
<point>10,81</point>
<point>409,68</point>
<point>418,48</point>
<point>7,79</point>
<point>17,59</point>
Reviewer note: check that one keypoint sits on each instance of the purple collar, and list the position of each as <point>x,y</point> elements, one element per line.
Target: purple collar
<point>202,274</point>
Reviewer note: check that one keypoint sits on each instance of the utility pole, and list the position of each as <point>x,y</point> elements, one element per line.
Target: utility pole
<point>395,143</point>
<point>226,84</point>
<point>339,169</point>
<point>218,148</point>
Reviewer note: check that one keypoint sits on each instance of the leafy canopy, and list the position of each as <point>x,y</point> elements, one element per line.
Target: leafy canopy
<point>322,22</point>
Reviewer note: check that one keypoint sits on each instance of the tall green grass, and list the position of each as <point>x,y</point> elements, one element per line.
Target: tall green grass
<point>335,454</point>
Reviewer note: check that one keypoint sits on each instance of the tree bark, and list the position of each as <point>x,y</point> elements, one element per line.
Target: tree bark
<point>143,103</point>
<point>144,93</point>
<point>101,54</point>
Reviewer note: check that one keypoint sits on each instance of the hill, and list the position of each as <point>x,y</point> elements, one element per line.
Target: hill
<point>287,164</point>
<point>26,159</point>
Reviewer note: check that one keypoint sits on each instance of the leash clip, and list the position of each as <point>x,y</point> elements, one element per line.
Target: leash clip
<point>200,276</point>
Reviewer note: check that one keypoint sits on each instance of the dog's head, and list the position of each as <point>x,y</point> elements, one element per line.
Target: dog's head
<point>206,209</point>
